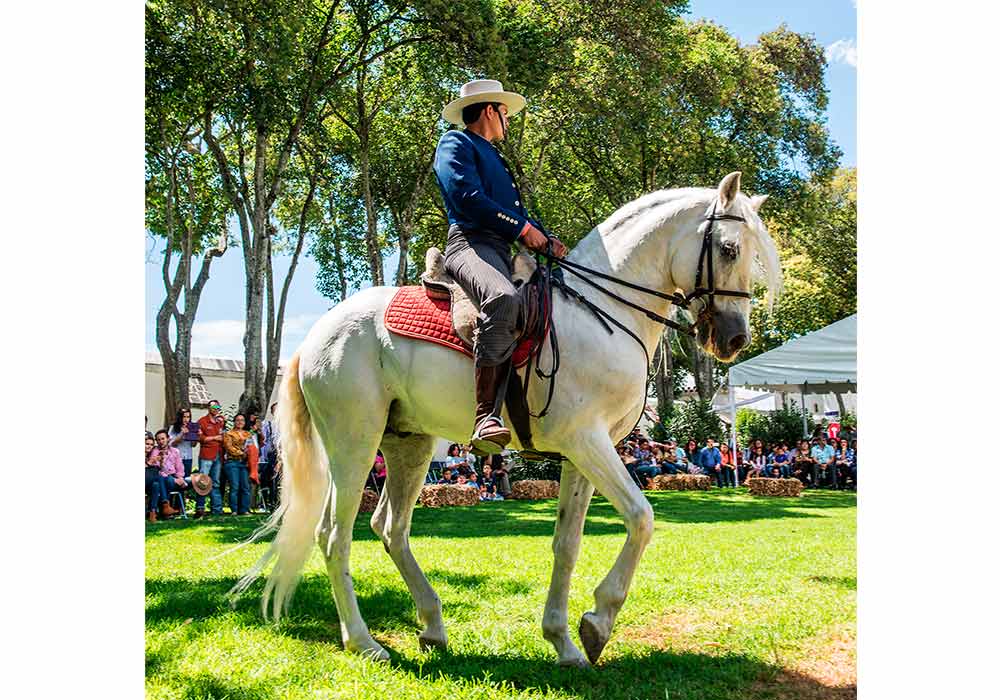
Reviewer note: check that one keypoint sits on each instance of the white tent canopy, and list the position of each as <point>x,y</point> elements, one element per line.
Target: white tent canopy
<point>824,361</point>
<point>819,362</point>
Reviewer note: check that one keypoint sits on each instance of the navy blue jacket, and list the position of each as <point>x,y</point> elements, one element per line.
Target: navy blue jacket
<point>477,186</point>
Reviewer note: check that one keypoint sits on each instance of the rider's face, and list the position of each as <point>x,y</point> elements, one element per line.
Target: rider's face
<point>498,120</point>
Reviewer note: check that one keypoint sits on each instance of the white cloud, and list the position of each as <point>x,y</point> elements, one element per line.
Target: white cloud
<point>224,337</point>
<point>843,51</point>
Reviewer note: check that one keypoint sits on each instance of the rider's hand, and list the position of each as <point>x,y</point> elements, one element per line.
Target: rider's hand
<point>537,241</point>
<point>533,238</point>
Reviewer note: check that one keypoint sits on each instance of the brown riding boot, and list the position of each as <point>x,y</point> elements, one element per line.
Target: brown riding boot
<point>489,435</point>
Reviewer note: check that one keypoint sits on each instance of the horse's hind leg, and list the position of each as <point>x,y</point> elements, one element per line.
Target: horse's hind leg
<point>350,444</point>
<point>406,460</point>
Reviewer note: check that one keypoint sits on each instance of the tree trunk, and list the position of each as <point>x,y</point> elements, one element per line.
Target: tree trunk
<point>663,379</point>
<point>840,405</point>
<point>364,146</point>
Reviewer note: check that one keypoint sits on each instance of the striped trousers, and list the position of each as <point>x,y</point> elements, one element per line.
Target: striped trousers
<point>480,263</point>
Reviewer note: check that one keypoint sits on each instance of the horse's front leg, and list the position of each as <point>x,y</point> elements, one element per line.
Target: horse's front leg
<point>595,456</point>
<point>574,499</point>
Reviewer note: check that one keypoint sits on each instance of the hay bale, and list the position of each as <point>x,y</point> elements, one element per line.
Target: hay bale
<point>534,489</point>
<point>680,482</point>
<point>775,487</point>
<point>369,499</point>
<point>438,495</point>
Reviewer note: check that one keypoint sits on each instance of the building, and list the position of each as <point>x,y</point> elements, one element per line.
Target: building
<point>211,378</point>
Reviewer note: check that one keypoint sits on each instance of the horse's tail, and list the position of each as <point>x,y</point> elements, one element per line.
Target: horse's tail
<point>304,494</point>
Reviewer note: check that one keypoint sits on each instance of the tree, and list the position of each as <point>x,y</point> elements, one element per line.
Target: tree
<point>185,207</point>
<point>263,71</point>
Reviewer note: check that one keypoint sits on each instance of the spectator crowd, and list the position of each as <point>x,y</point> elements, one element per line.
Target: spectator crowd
<point>238,464</point>
<point>817,463</point>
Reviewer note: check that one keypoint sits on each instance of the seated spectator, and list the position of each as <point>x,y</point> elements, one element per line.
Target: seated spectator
<point>645,463</point>
<point>500,474</point>
<point>710,461</point>
<point>446,476</point>
<point>625,454</point>
<point>670,463</point>
<point>843,460</point>
<point>378,473</point>
<point>824,467</point>
<point>154,484</point>
<point>487,478</point>
<point>234,446</point>
<point>694,458</point>
<point>168,459</point>
<point>802,464</point>
<point>727,465</point>
<point>756,462</point>
<point>183,434</point>
<point>458,462</point>
<point>780,461</point>
<point>472,480</point>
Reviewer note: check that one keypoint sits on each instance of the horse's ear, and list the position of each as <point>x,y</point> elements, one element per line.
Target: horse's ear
<point>757,201</point>
<point>729,188</point>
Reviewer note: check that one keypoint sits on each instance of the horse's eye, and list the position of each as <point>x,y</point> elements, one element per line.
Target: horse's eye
<point>731,249</point>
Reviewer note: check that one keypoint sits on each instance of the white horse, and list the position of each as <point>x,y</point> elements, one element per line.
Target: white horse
<point>354,387</point>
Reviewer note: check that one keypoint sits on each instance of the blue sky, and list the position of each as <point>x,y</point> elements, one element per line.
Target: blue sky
<point>218,330</point>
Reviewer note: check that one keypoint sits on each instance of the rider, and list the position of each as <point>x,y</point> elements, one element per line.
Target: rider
<point>485,216</point>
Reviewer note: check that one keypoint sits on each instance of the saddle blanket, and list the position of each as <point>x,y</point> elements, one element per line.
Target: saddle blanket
<point>413,314</point>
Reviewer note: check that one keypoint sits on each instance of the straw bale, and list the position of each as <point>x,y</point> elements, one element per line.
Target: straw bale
<point>534,489</point>
<point>438,495</point>
<point>775,487</point>
<point>680,482</point>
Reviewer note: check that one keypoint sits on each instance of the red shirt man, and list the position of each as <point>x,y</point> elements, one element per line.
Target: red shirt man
<point>210,432</point>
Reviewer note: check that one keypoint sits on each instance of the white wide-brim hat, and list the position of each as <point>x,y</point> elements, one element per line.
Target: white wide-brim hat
<point>476,91</point>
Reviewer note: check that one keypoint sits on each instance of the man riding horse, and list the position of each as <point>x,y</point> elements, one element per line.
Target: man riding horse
<point>485,216</point>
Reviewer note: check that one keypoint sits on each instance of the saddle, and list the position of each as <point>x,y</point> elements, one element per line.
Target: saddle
<point>439,286</point>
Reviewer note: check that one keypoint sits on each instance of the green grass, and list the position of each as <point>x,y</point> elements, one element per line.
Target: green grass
<point>731,591</point>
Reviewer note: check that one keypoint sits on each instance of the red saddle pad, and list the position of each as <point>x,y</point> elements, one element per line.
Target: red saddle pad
<point>413,314</point>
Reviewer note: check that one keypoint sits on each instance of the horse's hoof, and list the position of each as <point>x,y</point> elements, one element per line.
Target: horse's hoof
<point>427,643</point>
<point>594,640</point>
<point>574,662</point>
<point>369,650</point>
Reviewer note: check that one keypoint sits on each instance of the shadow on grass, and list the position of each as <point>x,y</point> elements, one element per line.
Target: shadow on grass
<point>848,582</point>
<point>537,518</point>
<point>649,673</point>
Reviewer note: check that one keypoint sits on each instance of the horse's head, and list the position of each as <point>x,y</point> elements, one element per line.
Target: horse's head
<point>738,249</point>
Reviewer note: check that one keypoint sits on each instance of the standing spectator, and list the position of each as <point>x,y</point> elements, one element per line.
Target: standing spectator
<point>645,463</point>
<point>268,452</point>
<point>181,433</point>
<point>710,461</point>
<point>153,481</point>
<point>727,464</point>
<point>171,467</point>
<point>469,458</point>
<point>824,469</point>
<point>234,444</point>
<point>210,429</point>
<point>803,464</point>
<point>149,434</point>
<point>501,475</point>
